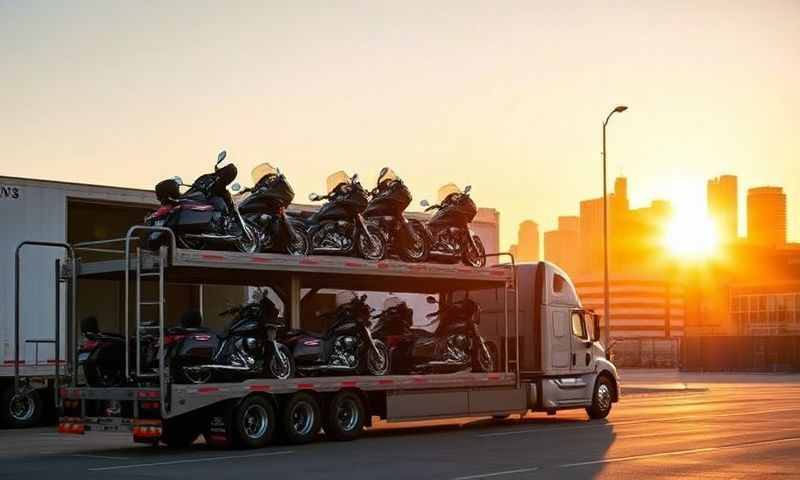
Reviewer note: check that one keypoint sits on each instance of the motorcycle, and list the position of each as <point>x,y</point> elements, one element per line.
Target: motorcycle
<point>249,348</point>
<point>448,231</point>
<point>339,228</point>
<point>347,346</point>
<point>455,345</point>
<point>203,216</point>
<point>266,206</point>
<point>389,200</point>
<point>101,356</point>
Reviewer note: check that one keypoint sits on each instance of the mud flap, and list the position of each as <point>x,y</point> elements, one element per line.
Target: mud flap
<point>219,431</point>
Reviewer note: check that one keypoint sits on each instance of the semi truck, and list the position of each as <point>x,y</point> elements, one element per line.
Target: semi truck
<point>547,348</point>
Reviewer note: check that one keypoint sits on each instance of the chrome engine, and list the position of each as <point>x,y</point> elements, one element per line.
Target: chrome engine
<point>345,352</point>
<point>334,237</point>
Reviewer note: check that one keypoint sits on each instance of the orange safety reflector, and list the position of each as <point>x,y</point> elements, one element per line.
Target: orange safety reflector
<point>147,431</point>
<point>71,427</point>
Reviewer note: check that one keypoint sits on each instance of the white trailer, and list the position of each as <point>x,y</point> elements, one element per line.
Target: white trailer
<point>549,354</point>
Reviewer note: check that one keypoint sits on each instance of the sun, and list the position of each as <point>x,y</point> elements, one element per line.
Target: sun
<point>690,234</point>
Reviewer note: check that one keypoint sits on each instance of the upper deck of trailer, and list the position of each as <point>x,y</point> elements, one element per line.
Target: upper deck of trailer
<point>234,268</point>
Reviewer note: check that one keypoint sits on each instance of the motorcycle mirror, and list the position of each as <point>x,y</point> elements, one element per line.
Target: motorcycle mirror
<point>467,188</point>
<point>221,156</point>
<point>384,171</point>
<point>363,298</point>
<point>431,299</point>
<point>236,187</point>
<point>313,197</point>
<point>354,178</point>
<point>177,180</point>
<point>424,203</point>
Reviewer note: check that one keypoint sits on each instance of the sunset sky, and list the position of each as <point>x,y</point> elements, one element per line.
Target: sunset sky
<point>506,96</point>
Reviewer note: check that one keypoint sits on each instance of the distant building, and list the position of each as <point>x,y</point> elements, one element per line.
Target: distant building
<point>591,226</point>
<point>527,247</point>
<point>766,216</point>
<point>562,246</point>
<point>722,195</point>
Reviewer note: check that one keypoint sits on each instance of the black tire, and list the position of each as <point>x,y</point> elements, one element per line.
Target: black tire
<point>253,246</point>
<point>300,419</point>
<point>253,422</point>
<point>472,257</point>
<point>418,252</point>
<point>371,364</point>
<point>602,399</point>
<point>20,411</point>
<point>480,363</point>
<point>274,369</point>
<point>180,432</point>
<point>345,417</point>
<point>303,245</point>
<point>378,252</point>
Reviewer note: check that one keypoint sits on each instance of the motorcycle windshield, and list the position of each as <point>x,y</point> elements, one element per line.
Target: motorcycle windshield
<point>448,190</point>
<point>335,179</point>
<point>389,176</point>
<point>261,171</point>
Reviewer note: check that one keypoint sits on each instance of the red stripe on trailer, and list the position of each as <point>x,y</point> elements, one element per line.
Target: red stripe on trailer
<point>260,388</point>
<point>351,264</point>
<point>148,394</point>
<point>383,265</point>
<point>493,377</point>
<point>11,362</point>
<point>420,380</point>
<point>385,382</point>
<point>309,262</point>
<point>212,257</point>
<point>305,385</point>
<point>260,260</point>
<point>207,390</point>
<point>349,383</point>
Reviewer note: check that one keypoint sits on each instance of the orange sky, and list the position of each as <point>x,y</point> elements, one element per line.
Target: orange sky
<point>506,96</point>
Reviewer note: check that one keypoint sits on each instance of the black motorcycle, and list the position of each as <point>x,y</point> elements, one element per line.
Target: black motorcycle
<point>249,348</point>
<point>389,200</point>
<point>101,356</point>
<point>339,228</point>
<point>347,346</point>
<point>455,345</point>
<point>205,215</point>
<point>448,231</point>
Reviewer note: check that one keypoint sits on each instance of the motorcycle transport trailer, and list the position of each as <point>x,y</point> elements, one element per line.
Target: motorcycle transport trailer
<point>252,412</point>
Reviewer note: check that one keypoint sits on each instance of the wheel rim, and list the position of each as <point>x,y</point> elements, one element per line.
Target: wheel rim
<point>248,242</point>
<point>299,246</point>
<point>197,375</point>
<point>475,255</point>
<point>487,362</point>
<point>378,245</point>
<point>378,363</point>
<point>279,366</point>
<point>347,415</point>
<point>21,407</point>
<point>417,249</point>
<point>302,418</point>
<point>255,421</point>
<point>603,397</point>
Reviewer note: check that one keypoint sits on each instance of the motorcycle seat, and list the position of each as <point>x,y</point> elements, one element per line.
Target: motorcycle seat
<point>295,332</point>
<point>303,214</point>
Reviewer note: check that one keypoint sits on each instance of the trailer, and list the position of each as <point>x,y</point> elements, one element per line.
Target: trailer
<point>549,356</point>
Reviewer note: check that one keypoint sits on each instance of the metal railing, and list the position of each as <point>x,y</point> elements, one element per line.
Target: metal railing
<point>514,288</point>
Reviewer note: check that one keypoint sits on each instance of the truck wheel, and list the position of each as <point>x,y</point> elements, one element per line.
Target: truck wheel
<point>20,410</point>
<point>601,400</point>
<point>300,419</point>
<point>180,432</point>
<point>345,417</point>
<point>254,422</point>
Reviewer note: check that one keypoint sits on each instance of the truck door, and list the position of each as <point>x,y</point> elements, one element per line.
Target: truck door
<point>561,341</point>
<point>581,359</point>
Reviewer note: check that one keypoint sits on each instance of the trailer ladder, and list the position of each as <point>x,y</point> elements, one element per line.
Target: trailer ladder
<point>147,267</point>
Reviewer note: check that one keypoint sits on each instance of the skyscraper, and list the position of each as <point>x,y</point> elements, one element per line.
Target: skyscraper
<point>766,216</point>
<point>723,206</point>
<point>527,247</point>
<point>562,246</point>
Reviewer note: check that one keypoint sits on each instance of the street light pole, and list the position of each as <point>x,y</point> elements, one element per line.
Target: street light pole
<point>606,302</point>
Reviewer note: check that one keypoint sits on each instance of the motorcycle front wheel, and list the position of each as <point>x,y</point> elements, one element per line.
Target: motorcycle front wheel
<point>378,248</point>
<point>249,240</point>
<point>301,245</point>
<point>415,251</point>
<point>475,257</point>
<point>377,366</point>
<point>281,365</point>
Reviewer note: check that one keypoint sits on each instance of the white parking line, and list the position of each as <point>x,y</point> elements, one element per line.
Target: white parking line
<point>497,474</point>
<point>680,452</point>
<point>632,422</point>
<point>190,460</point>
<point>97,456</point>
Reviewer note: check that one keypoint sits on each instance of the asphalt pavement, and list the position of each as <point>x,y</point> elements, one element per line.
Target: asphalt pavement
<point>717,426</point>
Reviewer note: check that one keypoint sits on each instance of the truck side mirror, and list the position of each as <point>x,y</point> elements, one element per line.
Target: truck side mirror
<point>431,299</point>
<point>595,327</point>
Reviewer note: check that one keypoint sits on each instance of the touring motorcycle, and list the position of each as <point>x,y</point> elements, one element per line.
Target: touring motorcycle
<point>203,216</point>
<point>455,345</point>
<point>448,232</point>
<point>339,228</point>
<point>266,207</point>
<point>389,200</point>
<point>249,348</point>
<point>347,346</point>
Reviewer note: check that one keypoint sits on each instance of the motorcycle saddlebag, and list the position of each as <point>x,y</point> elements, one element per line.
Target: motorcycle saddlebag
<point>196,218</point>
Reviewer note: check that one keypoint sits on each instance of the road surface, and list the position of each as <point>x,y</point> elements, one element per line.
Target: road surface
<point>746,428</point>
